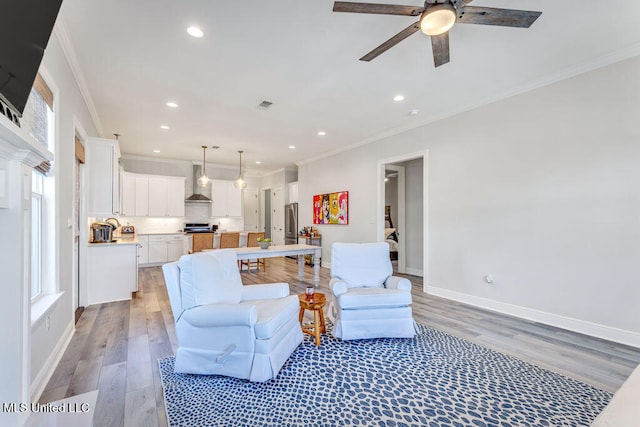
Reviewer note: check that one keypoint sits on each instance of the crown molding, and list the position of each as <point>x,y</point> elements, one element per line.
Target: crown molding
<point>565,74</point>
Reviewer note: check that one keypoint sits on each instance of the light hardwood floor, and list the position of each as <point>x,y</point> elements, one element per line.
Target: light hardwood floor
<point>116,346</point>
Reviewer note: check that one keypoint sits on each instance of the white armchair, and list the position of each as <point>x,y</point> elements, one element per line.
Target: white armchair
<point>369,302</point>
<point>226,328</point>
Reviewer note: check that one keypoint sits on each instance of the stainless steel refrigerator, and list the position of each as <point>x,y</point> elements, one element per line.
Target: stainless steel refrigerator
<point>291,224</point>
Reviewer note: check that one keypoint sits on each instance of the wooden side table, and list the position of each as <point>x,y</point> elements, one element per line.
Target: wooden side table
<point>316,303</point>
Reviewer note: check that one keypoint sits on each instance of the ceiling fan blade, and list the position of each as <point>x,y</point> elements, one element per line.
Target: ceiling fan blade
<point>381,9</point>
<point>502,17</point>
<point>440,47</point>
<point>392,42</point>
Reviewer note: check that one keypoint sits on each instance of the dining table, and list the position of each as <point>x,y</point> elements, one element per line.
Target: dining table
<point>274,251</point>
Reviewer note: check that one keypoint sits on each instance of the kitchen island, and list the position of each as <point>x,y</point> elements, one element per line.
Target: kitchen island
<point>112,270</point>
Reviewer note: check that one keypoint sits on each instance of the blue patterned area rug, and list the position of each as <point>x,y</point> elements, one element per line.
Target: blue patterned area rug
<point>434,380</point>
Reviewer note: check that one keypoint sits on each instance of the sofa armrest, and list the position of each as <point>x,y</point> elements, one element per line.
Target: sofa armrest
<point>265,291</point>
<point>395,282</point>
<point>338,287</point>
<point>623,409</point>
<point>213,315</point>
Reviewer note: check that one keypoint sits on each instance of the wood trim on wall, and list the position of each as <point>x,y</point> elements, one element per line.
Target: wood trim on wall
<point>79,150</point>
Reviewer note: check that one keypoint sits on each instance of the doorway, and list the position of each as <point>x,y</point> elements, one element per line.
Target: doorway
<point>411,218</point>
<point>394,206</point>
<point>77,224</point>
<point>265,210</point>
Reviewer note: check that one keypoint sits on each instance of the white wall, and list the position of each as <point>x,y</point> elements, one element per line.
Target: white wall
<point>71,111</point>
<point>539,190</point>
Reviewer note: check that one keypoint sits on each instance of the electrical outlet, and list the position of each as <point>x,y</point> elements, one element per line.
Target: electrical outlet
<point>47,323</point>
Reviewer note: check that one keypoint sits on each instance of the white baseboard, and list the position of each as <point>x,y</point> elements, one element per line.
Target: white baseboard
<point>40,382</point>
<point>413,271</point>
<point>584,327</point>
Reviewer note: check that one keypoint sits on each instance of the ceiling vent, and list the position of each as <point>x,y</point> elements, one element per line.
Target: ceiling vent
<point>264,105</point>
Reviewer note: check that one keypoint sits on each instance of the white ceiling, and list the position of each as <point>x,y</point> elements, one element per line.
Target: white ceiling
<point>135,55</point>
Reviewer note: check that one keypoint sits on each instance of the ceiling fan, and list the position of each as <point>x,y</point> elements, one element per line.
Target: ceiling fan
<point>436,18</point>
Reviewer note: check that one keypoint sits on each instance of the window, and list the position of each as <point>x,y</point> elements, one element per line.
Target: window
<point>37,220</point>
<point>38,120</point>
<point>38,116</point>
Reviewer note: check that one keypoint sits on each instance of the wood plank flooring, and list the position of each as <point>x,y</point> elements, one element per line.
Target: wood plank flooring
<point>116,346</point>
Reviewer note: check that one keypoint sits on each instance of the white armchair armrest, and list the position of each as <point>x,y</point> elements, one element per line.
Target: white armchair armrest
<point>212,315</point>
<point>395,282</point>
<point>338,287</point>
<point>266,291</point>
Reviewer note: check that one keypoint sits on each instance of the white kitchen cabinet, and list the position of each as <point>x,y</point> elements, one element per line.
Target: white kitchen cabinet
<point>165,248</point>
<point>142,195</point>
<point>103,184</point>
<point>128,194</point>
<point>112,272</point>
<point>143,250</point>
<point>135,194</point>
<point>292,188</point>
<point>157,196</point>
<point>175,196</point>
<point>166,196</point>
<point>227,200</point>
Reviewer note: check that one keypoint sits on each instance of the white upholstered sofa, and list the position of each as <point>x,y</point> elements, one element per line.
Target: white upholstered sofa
<point>369,302</point>
<point>226,328</point>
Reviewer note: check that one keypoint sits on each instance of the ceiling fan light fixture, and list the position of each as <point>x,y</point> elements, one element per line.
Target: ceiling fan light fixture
<point>438,19</point>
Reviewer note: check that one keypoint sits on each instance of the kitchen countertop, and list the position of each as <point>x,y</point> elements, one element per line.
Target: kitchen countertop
<point>119,241</point>
<point>161,233</point>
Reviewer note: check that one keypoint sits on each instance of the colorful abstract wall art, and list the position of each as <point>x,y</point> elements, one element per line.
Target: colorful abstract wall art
<point>331,208</point>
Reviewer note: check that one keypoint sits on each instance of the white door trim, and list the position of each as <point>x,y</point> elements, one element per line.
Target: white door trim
<point>382,165</point>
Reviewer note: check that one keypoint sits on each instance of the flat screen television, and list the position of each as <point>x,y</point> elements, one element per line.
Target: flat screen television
<point>25,28</point>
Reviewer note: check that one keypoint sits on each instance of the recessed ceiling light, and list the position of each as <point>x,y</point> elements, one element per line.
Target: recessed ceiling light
<point>195,31</point>
<point>321,133</point>
<point>156,151</point>
<point>258,162</point>
<point>414,112</point>
<point>165,127</point>
<point>172,104</point>
<point>292,146</point>
<point>398,98</point>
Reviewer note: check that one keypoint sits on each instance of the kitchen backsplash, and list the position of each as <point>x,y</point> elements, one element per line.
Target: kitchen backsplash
<point>146,225</point>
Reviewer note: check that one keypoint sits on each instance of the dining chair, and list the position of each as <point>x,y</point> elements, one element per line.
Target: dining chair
<point>230,239</point>
<point>252,242</point>
<point>201,241</point>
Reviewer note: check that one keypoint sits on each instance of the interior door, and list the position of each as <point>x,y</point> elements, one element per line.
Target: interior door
<point>251,209</point>
<point>277,215</point>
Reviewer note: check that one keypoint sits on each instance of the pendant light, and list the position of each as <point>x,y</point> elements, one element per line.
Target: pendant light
<point>240,183</point>
<point>204,180</point>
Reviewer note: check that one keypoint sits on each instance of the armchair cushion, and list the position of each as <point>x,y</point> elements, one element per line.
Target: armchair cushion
<point>208,278</point>
<point>368,298</point>
<point>273,314</point>
<point>358,265</point>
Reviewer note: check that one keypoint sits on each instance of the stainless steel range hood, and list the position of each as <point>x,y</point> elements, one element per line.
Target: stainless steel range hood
<point>197,197</point>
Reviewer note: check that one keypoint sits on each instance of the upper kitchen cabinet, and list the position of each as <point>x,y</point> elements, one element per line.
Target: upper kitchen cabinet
<point>152,195</point>
<point>103,171</point>
<point>292,188</point>
<point>166,196</point>
<point>227,199</point>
